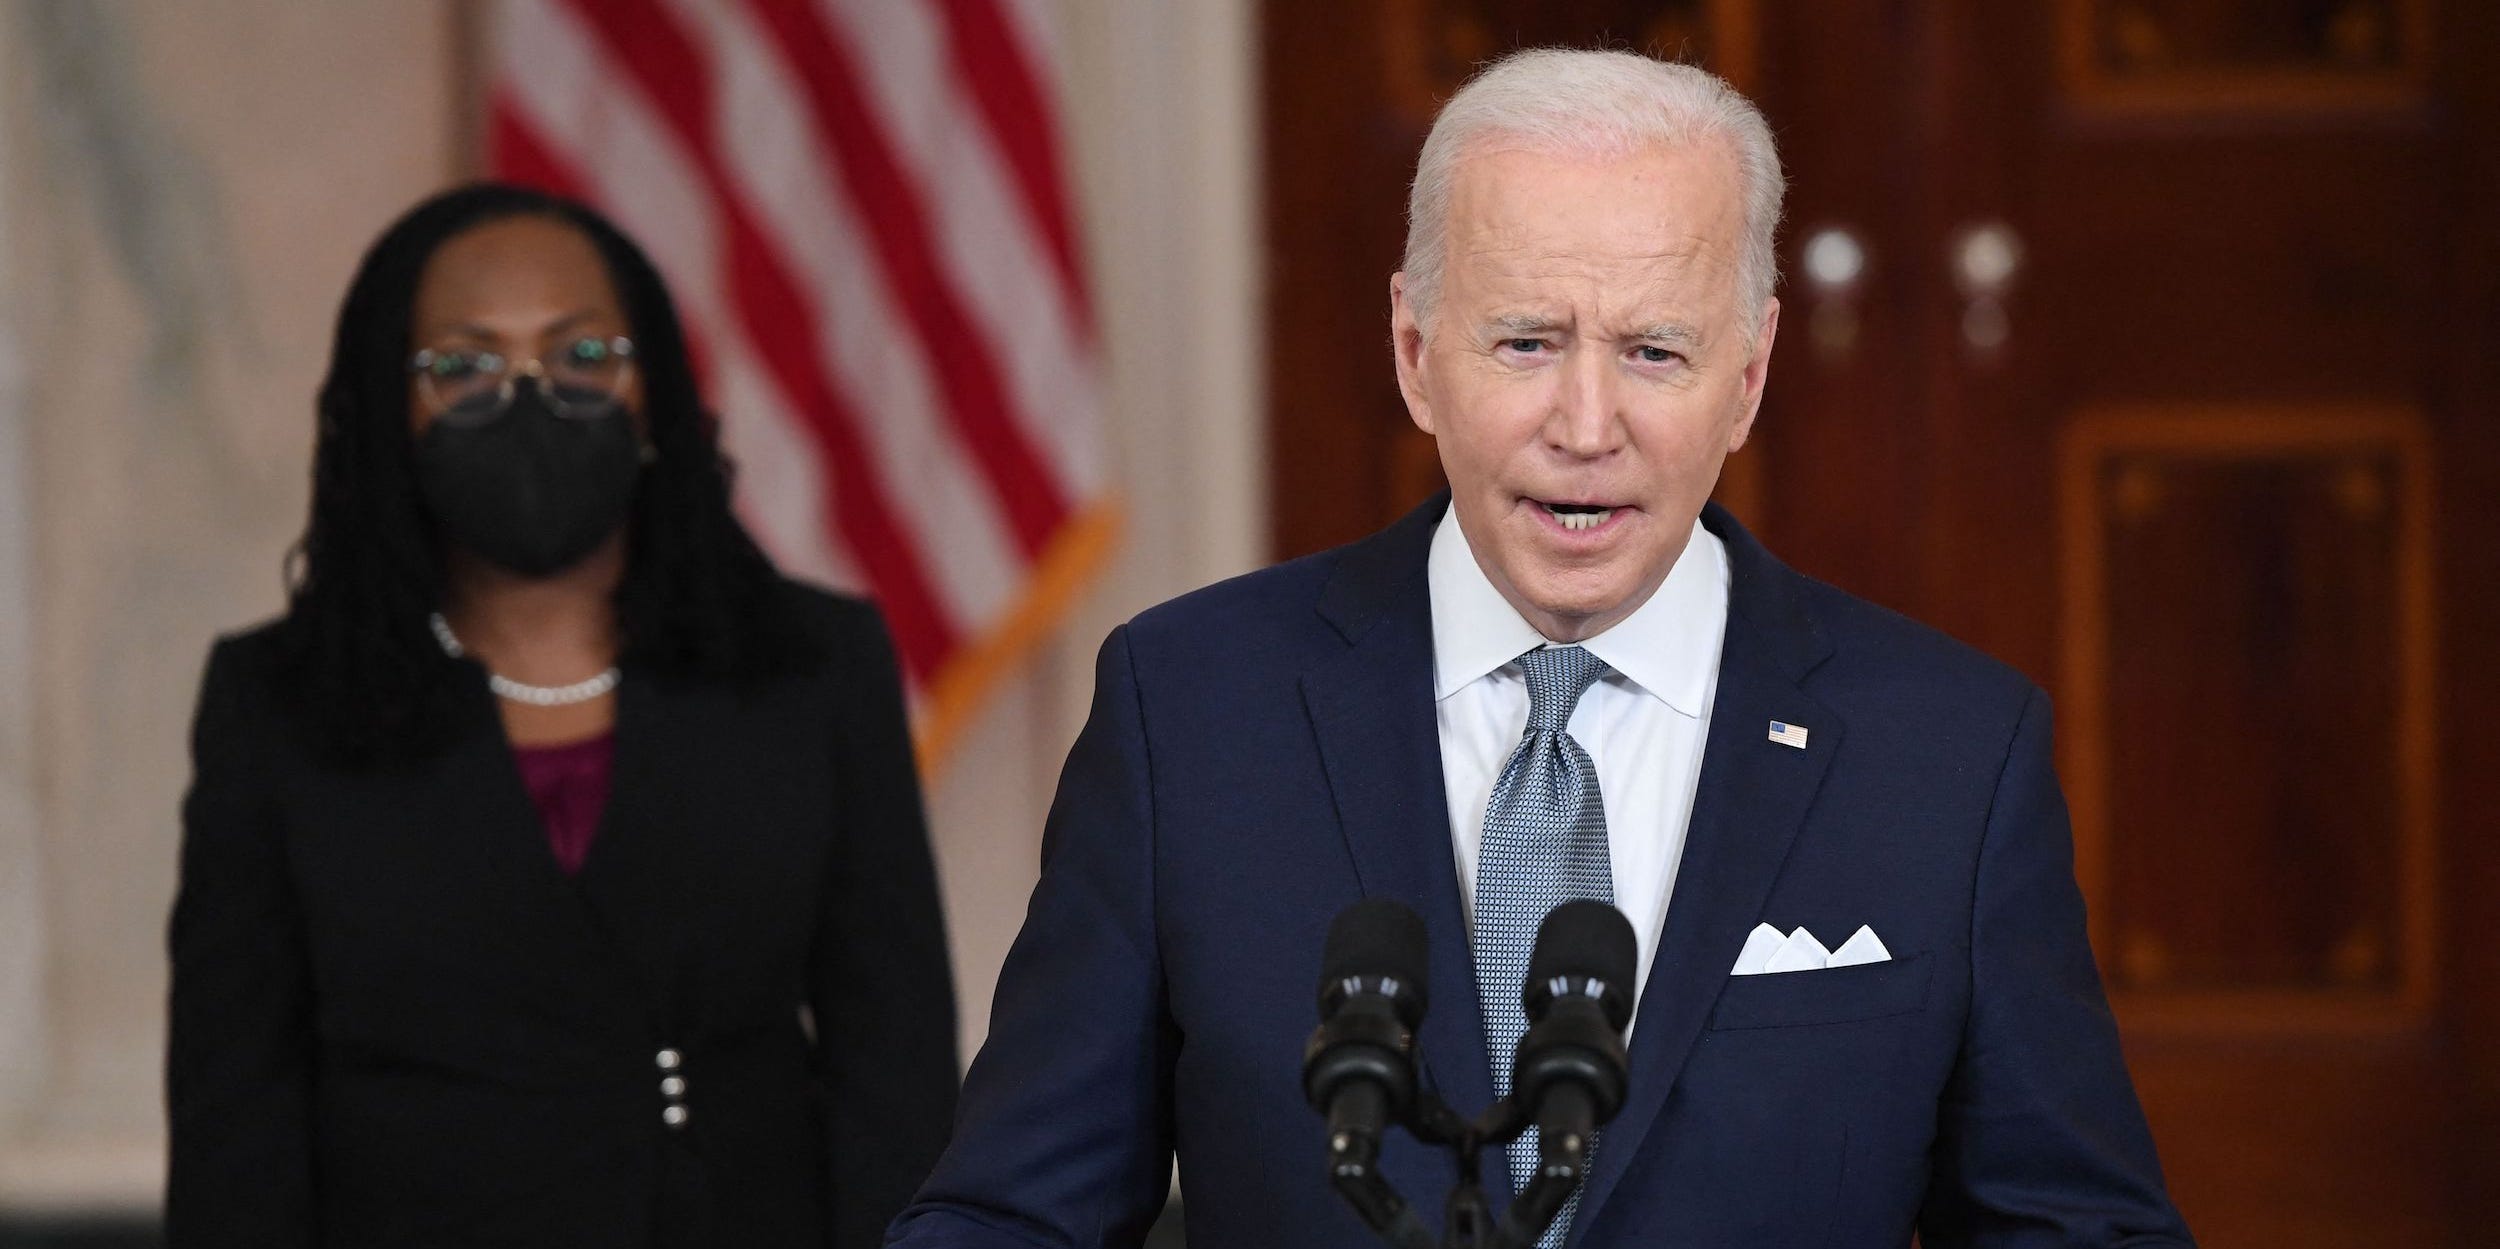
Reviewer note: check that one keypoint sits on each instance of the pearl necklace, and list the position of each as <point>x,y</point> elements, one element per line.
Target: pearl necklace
<point>534,695</point>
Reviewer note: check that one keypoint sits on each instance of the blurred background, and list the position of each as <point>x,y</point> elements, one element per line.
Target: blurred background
<point>2152,345</point>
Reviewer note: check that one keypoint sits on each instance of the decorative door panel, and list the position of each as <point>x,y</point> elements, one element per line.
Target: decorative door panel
<point>2249,717</point>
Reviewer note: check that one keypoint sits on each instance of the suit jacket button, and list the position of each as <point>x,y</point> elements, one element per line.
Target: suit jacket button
<point>674,1116</point>
<point>669,1060</point>
<point>673,1086</point>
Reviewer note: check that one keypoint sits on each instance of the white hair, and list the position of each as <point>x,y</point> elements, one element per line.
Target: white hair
<point>1567,100</point>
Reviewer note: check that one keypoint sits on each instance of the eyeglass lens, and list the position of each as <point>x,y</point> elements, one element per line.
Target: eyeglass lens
<point>583,378</point>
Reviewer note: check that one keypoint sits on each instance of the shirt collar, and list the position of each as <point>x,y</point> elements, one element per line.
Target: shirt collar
<point>1668,646</point>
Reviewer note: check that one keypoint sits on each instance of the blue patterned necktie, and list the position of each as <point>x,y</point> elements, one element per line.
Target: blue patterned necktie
<point>1544,845</point>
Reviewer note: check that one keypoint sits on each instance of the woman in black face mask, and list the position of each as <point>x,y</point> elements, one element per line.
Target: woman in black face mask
<point>554,872</point>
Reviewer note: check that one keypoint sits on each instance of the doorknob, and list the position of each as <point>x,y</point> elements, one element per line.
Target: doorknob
<point>1987,256</point>
<point>1834,260</point>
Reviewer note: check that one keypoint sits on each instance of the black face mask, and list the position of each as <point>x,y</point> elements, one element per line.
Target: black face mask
<point>530,490</point>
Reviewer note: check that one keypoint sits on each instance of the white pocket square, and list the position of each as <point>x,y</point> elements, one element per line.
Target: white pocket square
<point>1769,951</point>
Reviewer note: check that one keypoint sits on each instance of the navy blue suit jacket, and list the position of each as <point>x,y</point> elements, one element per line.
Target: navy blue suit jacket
<point>1263,752</point>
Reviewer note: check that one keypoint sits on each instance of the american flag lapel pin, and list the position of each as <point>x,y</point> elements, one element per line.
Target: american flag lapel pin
<point>1788,734</point>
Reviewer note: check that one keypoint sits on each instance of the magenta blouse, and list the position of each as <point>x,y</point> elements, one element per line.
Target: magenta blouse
<point>569,784</point>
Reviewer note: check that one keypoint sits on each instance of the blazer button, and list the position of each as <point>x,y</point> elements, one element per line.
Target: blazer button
<point>673,1086</point>
<point>668,1060</point>
<point>674,1116</point>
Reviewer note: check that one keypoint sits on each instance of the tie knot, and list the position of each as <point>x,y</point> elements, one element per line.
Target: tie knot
<point>1557,676</point>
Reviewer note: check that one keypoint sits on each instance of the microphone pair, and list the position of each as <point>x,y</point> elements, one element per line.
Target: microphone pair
<point>1567,1078</point>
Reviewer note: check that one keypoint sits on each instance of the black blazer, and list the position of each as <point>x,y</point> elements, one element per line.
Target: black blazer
<point>396,1022</point>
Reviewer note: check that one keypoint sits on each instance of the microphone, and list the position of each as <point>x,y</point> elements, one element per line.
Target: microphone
<point>1359,1069</point>
<point>1569,1074</point>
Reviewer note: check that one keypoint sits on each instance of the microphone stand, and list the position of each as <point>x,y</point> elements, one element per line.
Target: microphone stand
<point>1467,1220</point>
<point>1568,1072</point>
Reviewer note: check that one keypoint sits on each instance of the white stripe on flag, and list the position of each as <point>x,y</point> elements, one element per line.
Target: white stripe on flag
<point>781,166</point>
<point>995,254</point>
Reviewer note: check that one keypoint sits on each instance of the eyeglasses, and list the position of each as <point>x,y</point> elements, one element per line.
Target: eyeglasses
<point>584,378</point>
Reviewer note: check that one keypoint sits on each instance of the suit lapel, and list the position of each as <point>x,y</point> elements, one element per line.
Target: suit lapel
<point>587,911</point>
<point>623,888</point>
<point>513,838</point>
<point>1372,713</point>
<point>1752,796</point>
<point>1371,710</point>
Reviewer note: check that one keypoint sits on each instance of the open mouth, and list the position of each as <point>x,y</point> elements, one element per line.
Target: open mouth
<point>1578,516</point>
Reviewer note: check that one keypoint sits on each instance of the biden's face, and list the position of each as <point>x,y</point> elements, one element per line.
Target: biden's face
<point>1588,367</point>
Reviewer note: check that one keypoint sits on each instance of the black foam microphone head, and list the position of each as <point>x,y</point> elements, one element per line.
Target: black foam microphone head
<point>1584,940</point>
<point>1377,939</point>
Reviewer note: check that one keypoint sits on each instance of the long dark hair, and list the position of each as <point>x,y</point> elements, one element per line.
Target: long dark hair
<point>698,595</point>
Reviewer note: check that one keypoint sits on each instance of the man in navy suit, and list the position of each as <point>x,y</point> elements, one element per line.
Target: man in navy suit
<point>1867,1005</point>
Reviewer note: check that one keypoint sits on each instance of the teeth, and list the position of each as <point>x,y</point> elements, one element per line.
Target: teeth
<point>1576,521</point>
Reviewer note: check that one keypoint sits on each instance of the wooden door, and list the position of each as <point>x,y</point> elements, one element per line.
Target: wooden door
<point>2149,346</point>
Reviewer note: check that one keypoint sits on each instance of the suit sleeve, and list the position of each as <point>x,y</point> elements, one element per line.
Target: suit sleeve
<point>1065,1137</point>
<point>238,1078</point>
<point>2040,1139</point>
<point>882,990</point>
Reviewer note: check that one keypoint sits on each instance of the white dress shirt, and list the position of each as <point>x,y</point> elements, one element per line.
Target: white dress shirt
<point>1643,724</point>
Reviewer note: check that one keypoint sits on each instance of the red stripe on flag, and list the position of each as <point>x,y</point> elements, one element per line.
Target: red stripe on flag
<point>976,396</point>
<point>515,153</point>
<point>646,41</point>
<point>992,67</point>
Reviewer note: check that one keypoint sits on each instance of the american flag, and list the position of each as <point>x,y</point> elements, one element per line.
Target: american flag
<point>863,210</point>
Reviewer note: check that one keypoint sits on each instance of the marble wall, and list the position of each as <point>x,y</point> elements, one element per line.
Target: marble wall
<point>183,190</point>
<point>186,187</point>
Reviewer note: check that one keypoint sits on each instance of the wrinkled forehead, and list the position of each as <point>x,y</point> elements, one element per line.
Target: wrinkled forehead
<point>1657,221</point>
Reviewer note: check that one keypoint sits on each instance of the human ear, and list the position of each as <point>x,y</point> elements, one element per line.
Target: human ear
<point>1757,374</point>
<point>1406,339</point>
